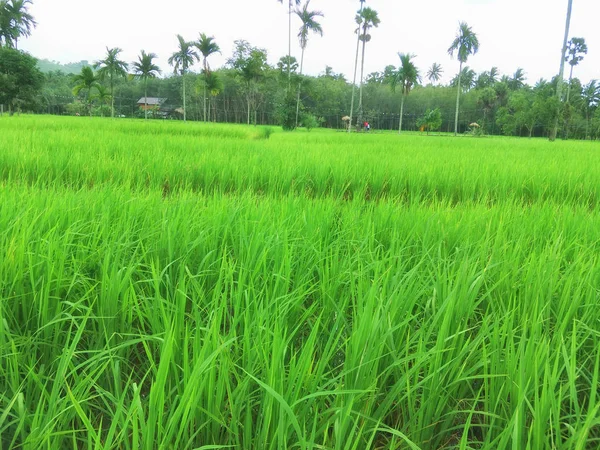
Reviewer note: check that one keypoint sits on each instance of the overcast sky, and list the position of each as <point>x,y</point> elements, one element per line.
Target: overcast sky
<point>512,33</point>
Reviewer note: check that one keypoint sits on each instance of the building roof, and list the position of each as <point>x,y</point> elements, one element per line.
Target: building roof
<point>151,101</point>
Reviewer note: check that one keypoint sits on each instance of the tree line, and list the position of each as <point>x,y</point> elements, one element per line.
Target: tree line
<point>248,89</point>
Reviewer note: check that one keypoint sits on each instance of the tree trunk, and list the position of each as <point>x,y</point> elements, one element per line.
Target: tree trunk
<point>401,113</point>
<point>204,90</point>
<point>362,70</point>
<point>184,110</point>
<point>112,98</point>
<point>248,100</point>
<point>569,86</point>
<point>559,87</point>
<point>146,99</point>
<point>354,79</point>
<point>457,100</point>
<point>289,44</point>
<point>299,87</point>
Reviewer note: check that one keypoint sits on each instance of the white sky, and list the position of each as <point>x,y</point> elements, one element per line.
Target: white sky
<point>512,33</point>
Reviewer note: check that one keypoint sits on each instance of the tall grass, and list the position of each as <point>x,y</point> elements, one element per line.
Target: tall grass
<point>171,290</point>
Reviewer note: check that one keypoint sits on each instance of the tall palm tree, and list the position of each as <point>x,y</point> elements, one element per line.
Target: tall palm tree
<point>181,60</point>
<point>207,46</point>
<point>367,19</point>
<point>576,49</point>
<point>434,74</point>
<point>406,77</point>
<point>493,74</point>
<point>309,24</point>
<point>290,4</point>
<point>86,81</point>
<point>15,21</point>
<point>357,19</point>
<point>112,67</point>
<point>465,44</point>
<point>561,72</point>
<point>144,68</point>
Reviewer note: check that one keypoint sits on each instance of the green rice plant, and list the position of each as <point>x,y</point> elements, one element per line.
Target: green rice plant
<point>192,287</point>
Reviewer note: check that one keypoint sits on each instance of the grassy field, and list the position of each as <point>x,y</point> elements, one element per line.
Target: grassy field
<point>191,286</point>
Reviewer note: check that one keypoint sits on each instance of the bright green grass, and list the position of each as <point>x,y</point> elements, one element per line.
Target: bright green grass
<point>189,286</point>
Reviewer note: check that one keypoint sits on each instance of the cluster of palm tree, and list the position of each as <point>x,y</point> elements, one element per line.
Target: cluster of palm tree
<point>15,22</point>
<point>111,67</point>
<point>187,54</point>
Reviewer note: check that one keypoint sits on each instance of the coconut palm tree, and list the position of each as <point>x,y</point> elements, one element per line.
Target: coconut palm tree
<point>309,24</point>
<point>181,60</point>
<point>144,68</point>
<point>357,19</point>
<point>518,80</point>
<point>86,81</point>
<point>434,74</point>
<point>576,49</point>
<point>406,77</point>
<point>112,67</point>
<point>15,21</point>
<point>465,44</point>
<point>561,72</point>
<point>290,4</point>
<point>367,19</point>
<point>207,46</point>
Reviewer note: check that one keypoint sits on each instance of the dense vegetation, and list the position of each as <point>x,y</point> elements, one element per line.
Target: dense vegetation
<point>171,285</point>
<point>248,90</point>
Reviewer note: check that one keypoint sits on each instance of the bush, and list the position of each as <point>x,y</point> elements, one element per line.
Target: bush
<point>286,111</point>
<point>431,120</point>
<point>309,121</point>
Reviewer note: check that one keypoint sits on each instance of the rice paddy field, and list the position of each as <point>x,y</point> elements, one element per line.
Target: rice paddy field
<point>200,286</point>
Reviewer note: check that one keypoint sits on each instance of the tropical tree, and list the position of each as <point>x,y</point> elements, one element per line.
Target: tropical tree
<point>250,64</point>
<point>86,81</point>
<point>181,60</point>
<point>465,44</point>
<point>431,120</point>
<point>561,72</point>
<point>144,68</point>
<point>309,24</point>
<point>290,4</point>
<point>20,79</point>
<point>358,21</point>
<point>434,74</point>
<point>576,48</point>
<point>466,78</point>
<point>104,97</point>
<point>207,46</point>
<point>366,20</point>
<point>591,100</point>
<point>406,77</point>
<point>112,67</point>
<point>211,82</point>
<point>518,80</point>
<point>15,21</point>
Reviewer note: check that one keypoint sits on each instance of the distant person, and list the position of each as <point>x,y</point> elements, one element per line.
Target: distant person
<point>367,126</point>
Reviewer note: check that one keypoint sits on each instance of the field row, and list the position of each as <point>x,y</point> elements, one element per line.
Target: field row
<point>173,158</point>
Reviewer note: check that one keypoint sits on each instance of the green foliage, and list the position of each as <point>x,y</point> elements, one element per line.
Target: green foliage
<point>20,79</point>
<point>309,121</point>
<point>286,110</point>
<point>431,120</point>
<point>15,22</point>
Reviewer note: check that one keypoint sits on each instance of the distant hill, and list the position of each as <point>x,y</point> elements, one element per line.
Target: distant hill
<point>46,65</point>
